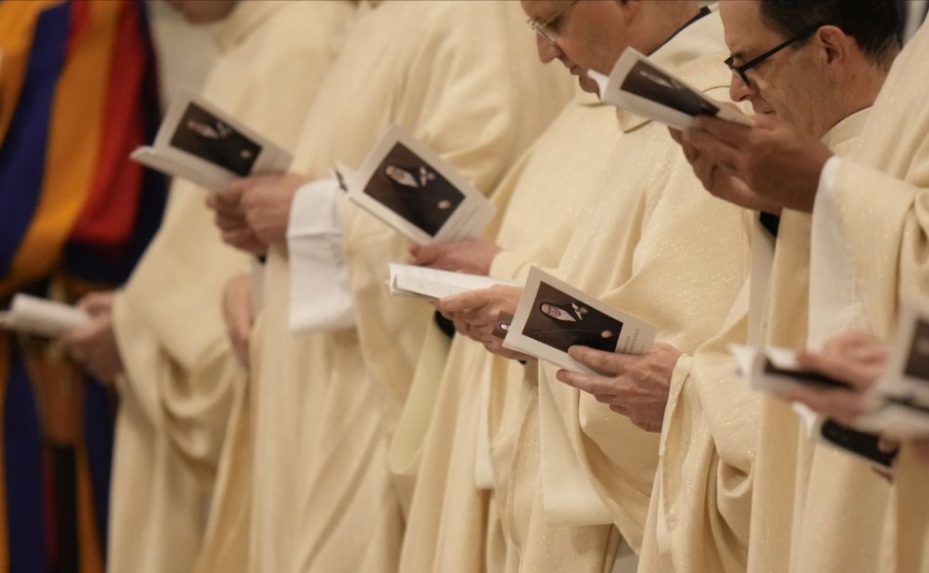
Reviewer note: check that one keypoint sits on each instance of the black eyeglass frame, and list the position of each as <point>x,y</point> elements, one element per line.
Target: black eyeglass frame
<point>757,60</point>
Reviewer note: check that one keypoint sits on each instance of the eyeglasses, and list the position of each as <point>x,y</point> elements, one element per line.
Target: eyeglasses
<point>546,28</point>
<point>741,70</point>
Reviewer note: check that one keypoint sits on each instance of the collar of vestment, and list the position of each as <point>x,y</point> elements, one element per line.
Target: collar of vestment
<point>847,129</point>
<point>701,37</point>
<point>246,17</point>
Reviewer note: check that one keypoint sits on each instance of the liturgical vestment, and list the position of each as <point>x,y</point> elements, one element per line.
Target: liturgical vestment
<point>462,78</point>
<point>541,200</point>
<point>654,244</point>
<point>700,513</point>
<point>871,225</point>
<point>181,375</point>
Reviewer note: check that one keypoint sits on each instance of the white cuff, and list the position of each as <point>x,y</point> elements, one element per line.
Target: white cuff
<point>834,303</point>
<point>320,296</point>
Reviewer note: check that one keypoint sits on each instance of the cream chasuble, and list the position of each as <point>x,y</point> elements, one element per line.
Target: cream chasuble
<point>879,225</point>
<point>544,196</point>
<point>658,246</point>
<point>181,375</point>
<point>700,514</point>
<point>464,78</point>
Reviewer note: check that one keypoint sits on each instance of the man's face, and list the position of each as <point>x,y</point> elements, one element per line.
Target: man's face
<point>203,11</point>
<point>787,84</point>
<point>589,35</point>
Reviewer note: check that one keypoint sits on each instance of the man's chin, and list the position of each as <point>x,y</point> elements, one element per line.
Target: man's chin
<point>588,85</point>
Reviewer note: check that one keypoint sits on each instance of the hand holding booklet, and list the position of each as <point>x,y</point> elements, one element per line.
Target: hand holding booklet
<point>775,370</point>
<point>432,284</point>
<point>641,86</point>
<point>553,316</point>
<point>409,187</point>
<point>42,317</point>
<point>199,142</point>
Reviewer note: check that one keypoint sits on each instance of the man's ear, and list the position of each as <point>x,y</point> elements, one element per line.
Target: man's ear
<point>834,43</point>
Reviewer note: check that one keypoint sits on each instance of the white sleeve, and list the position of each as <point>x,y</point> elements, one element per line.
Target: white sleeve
<point>835,305</point>
<point>320,297</point>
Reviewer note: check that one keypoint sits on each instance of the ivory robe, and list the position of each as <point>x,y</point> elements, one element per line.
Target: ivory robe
<point>464,78</point>
<point>447,527</point>
<point>700,512</point>
<point>881,241</point>
<point>181,375</point>
<point>655,245</point>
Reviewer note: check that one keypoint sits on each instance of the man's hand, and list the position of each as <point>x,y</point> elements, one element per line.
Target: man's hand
<point>635,386</point>
<point>721,183</point>
<point>771,161</point>
<point>855,358</point>
<point>264,201</point>
<point>232,223</point>
<point>239,314</point>
<point>94,346</point>
<point>472,256</point>
<point>476,313</point>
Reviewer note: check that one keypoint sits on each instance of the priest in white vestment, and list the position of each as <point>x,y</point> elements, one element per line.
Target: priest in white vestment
<point>334,353</point>
<point>452,514</point>
<point>166,336</point>
<point>711,426</point>
<point>865,263</point>
<point>580,475</point>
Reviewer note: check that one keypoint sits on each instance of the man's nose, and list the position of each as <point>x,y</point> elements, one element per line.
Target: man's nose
<point>548,51</point>
<point>738,89</point>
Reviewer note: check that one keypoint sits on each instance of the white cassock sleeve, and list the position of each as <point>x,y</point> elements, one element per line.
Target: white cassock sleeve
<point>835,304</point>
<point>320,297</point>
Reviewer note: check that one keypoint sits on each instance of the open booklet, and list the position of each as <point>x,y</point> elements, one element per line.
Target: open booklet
<point>199,142</point>
<point>641,86</point>
<point>553,316</point>
<point>42,317</point>
<point>432,284</point>
<point>409,187</point>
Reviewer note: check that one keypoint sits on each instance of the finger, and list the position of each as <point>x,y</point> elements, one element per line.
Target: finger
<point>97,303</point>
<point>468,301</point>
<point>705,170</point>
<point>588,383</point>
<point>836,367</point>
<point>730,133</point>
<point>232,192</point>
<point>888,445</point>
<point>715,149</point>
<point>427,255</point>
<point>676,135</point>
<point>619,410</point>
<point>845,407</point>
<point>608,363</point>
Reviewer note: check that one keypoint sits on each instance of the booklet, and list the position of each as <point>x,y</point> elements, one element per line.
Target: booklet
<point>409,187</point>
<point>199,142</point>
<point>775,370</point>
<point>42,317</point>
<point>641,86</point>
<point>553,316</point>
<point>432,284</point>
